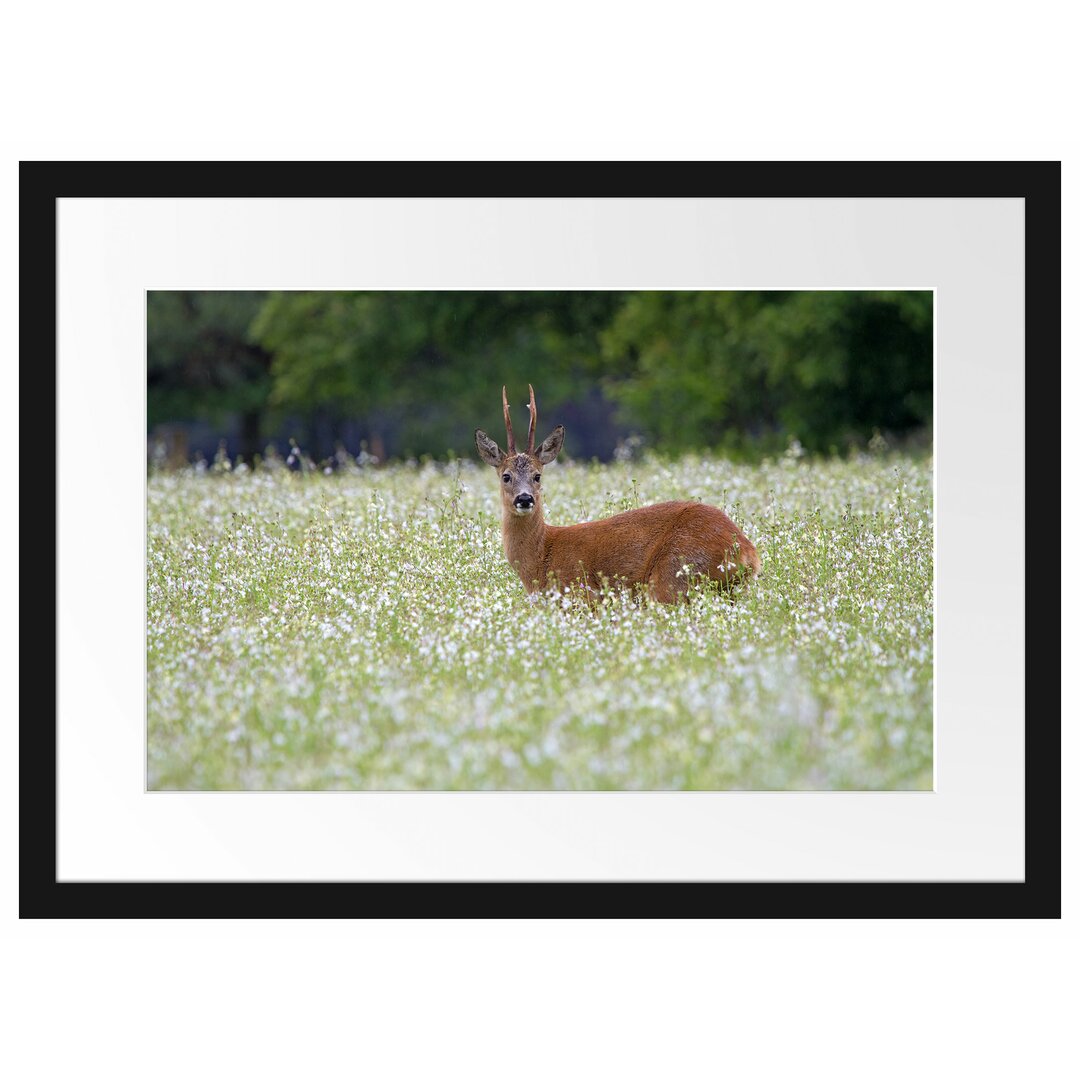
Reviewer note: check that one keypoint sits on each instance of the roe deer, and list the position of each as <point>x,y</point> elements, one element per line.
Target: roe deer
<point>659,547</point>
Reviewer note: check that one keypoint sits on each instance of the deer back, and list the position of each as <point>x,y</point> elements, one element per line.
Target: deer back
<point>662,546</point>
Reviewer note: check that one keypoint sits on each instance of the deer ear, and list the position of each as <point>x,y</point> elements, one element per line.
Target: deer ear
<point>550,447</point>
<point>488,449</point>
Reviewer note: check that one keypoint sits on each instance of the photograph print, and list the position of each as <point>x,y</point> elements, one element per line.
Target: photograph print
<point>540,541</point>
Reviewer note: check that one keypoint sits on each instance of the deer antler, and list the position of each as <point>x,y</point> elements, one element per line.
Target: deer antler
<point>532,418</point>
<point>510,447</point>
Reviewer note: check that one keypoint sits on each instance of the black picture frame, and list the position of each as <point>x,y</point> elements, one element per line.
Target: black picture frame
<point>42,896</point>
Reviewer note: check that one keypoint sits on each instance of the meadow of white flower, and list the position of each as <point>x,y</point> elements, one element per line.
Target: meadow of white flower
<point>363,630</point>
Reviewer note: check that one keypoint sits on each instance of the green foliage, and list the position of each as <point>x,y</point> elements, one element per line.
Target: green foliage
<point>199,361</point>
<point>424,367</point>
<point>765,367</point>
<point>416,372</point>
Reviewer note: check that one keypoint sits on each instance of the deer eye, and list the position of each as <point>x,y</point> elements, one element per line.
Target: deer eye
<point>536,479</point>
<point>506,478</point>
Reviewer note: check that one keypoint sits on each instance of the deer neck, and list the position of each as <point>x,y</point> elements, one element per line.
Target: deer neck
<point>523,542</point>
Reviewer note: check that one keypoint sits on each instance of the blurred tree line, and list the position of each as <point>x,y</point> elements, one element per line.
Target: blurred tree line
<point>413,373</point>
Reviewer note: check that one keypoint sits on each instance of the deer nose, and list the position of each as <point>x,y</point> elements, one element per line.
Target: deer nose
<point>524,500</point>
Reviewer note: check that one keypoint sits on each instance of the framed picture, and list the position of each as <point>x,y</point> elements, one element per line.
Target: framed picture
<point>301,669</point>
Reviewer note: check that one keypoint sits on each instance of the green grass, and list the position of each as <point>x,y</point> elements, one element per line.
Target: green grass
<point>364,631</point>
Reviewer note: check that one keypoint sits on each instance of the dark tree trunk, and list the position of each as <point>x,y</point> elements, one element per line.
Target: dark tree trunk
<point>250,428</point>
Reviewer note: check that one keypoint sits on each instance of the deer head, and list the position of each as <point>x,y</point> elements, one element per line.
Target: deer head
<point>520,472</point>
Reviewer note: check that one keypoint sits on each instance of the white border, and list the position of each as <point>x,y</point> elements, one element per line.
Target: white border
<point>110,251</point>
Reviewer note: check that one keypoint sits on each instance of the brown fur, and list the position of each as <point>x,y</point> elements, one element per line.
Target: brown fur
<point>649,547</point>
<point>660,547</point>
